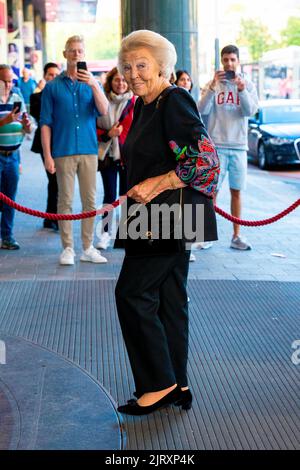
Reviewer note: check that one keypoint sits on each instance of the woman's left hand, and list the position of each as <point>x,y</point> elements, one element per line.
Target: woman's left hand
<point>147,190</point>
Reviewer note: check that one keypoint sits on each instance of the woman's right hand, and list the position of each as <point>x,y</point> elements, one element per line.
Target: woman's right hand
<point>116,130</point>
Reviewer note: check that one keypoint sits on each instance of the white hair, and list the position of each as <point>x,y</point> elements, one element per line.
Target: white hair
<point>162,50</point>
<point>74,39</point>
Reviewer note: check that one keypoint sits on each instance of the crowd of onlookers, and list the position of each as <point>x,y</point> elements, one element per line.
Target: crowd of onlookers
<point>81,128</point>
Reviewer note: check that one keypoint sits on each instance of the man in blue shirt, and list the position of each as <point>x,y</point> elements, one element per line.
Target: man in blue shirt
<point>27,85</point>
<point>70,105</point>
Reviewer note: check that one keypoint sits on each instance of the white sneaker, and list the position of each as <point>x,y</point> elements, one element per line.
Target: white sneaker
<point>92,255</point>
<point>104,241</point>
<point>203,245</point>
<point>67,256</point>
<point>192,257</point>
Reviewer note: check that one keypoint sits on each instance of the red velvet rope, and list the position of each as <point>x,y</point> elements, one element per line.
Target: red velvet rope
<point>113,205</point>
<point>46,215</point>
<point>258,223</point>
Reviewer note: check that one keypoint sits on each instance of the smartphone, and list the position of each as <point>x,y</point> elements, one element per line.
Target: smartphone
<point>17,106</point>
<point>81,65</point>
<point>229,74</point>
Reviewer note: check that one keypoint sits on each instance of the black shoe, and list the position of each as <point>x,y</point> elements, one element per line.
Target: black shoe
<point>133,408</point>
<point>185,399</point>
<point>10,244</point>
<point>51,224</point>
<point>135,394</point>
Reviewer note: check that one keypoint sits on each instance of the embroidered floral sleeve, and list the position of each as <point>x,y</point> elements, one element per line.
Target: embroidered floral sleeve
<point>198,167</point>
<point>197,160</point>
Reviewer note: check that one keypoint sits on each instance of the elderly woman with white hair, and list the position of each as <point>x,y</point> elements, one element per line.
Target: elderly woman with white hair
<point>170,162</point>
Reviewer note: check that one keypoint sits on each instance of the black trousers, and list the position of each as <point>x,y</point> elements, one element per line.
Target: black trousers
<point>153,313</point>
<point>52,192</point>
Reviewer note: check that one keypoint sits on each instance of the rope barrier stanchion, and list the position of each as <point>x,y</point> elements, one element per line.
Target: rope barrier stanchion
<point>118,202</point>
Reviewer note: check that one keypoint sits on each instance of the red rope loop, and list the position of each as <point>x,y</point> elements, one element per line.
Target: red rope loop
<point>113,205</point>
<point>46,215</point>
<point>258,223</point>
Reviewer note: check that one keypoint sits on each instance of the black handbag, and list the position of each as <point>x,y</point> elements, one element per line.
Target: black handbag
<point>152,242</point>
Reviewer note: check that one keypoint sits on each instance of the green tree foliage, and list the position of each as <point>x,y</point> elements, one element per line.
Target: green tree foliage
<point>291,34</point>
<point>102,39</point>
<point>256,37</point>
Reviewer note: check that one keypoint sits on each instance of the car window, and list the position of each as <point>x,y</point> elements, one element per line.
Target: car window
<point>281,114</point>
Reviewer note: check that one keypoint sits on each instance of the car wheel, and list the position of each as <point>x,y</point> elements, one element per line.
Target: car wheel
<point>262,158</point>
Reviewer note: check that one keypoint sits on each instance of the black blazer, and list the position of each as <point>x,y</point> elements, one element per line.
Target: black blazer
<point>171,117</point>
<point>35,111</point>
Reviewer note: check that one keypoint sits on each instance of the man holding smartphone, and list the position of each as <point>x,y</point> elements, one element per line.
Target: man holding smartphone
<point>227,102</point>
<point>13,125</point>
<point>70,104</point>
<point>51,71</point>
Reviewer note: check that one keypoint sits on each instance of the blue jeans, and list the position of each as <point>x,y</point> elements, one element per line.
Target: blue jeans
<point>9,177</point>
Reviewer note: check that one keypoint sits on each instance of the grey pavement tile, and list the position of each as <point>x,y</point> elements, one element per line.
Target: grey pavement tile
<point>26,270</point>
<point>212,276</point>
<point>94,276</point>
<point>8,276</point>
<point>54,277</point>
<point>19,277</point>
<point>61,270</point>
<point>292,267</point>
<point>8,269</point>
<point>287,278</point>
<point>238,267</point>
<point>47,267</point>
<point>229,277</point>
<point>254,277</point>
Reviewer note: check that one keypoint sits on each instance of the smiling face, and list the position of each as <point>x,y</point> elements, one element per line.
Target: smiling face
<point>184,81</point>
<point>118,84</point>
<point>142,73</point>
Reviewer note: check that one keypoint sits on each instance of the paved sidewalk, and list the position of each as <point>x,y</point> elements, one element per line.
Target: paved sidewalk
<point>265,197</point>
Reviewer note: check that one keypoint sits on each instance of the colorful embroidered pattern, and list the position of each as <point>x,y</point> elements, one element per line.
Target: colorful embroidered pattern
<point>198,168</point>
<point>179,153</point>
